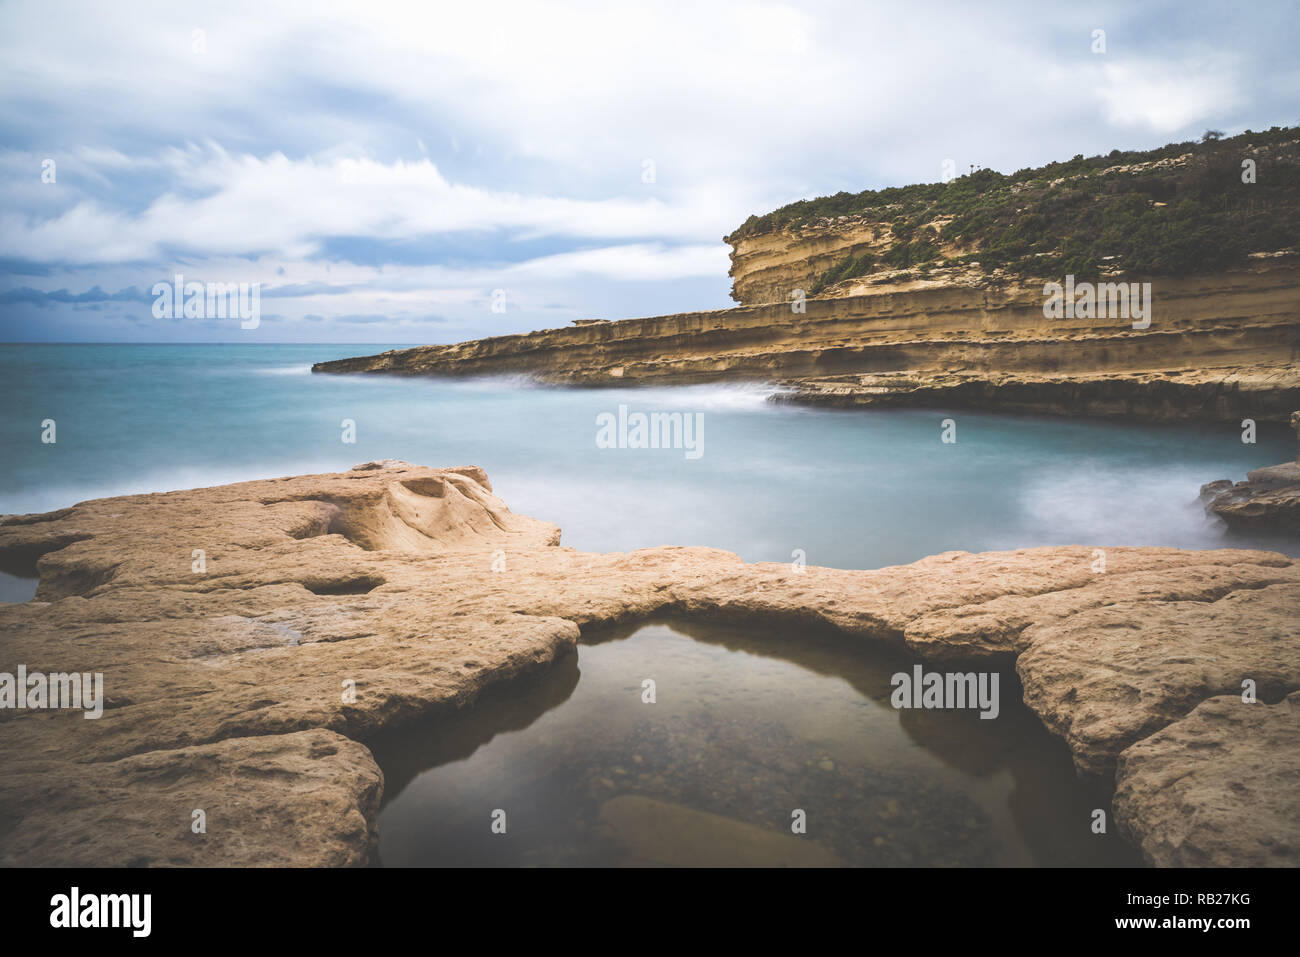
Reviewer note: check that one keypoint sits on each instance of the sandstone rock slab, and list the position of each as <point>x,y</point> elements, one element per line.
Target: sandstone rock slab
<point>344,605</point>
<point>1181,791</point>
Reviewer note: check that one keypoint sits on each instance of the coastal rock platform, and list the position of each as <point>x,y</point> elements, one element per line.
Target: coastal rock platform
<point>1269,499</point>
<point>1219,348</point>
<point>254,637</point>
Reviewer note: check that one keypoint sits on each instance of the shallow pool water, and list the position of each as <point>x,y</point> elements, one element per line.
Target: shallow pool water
<point>746,730</point>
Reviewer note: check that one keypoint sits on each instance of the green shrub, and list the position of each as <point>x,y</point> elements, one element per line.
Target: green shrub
<point>1208,219</point>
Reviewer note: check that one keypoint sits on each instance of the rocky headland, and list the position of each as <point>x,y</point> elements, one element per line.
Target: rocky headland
<point>934,295</point>
<point>1219,347</point>
<point>254,637</point>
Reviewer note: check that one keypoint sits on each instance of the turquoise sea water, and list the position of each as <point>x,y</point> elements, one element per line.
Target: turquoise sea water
<point>848,488</point>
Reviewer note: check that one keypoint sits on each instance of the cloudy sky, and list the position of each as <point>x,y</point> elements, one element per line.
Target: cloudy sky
<point>382,168</point>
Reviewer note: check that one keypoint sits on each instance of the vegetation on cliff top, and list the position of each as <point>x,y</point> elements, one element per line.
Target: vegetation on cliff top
<point>1180,209</point>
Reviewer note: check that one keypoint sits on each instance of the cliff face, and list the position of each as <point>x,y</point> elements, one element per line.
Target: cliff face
<point>933,294</point>
<point>1183,210</point>
<point>1218,346</point>
<point>769,267</point>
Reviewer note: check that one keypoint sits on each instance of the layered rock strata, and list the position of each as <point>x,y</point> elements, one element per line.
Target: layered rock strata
<point>1218,347</point>
<point>1268,501</point>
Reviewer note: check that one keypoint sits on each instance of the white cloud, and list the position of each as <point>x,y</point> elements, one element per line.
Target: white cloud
<point>283,206</point>
<point>517,130</point>
<point>638,261</point>
<point>1166,97</point>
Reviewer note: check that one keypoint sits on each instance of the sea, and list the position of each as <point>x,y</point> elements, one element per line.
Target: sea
<point>846,488</point>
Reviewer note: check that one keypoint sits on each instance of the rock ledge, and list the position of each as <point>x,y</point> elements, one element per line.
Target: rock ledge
<point>253,637</point>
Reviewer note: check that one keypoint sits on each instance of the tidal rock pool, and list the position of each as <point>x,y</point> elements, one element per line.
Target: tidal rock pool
<point>748,734</point>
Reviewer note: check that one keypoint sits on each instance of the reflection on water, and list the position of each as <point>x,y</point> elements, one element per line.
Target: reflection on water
<point>18,577</point>
<point>17,587</point>
<point>746,728</point>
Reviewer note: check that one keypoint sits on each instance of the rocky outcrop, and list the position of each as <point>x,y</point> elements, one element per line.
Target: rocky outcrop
<point>1158,207</point>
<point>1218,347</point>
<point>770,266</point>
<point>1268,501</point>
<point>303,799</point>
<point>773,266</point>
<point>254,637</point>
<point>1181,790</point>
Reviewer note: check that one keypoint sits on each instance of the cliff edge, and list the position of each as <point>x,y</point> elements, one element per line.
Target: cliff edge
<point>1220,346</point>
<point>1179,272</point>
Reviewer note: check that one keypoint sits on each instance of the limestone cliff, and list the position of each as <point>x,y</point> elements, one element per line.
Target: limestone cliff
<point>771,266</point>
<point>1186,209</point>
<point>933,295</point>
<point>1218,346</point>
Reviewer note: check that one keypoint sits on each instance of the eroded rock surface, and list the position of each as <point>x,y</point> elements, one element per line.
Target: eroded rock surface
<point>1182,790</point>
<point>305,799</point>
<point>253,637</point>
<point>1269,499</point>
<point>1218,347</point>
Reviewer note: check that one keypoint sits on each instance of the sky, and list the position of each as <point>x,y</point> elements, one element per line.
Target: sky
<point>434,172</point>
